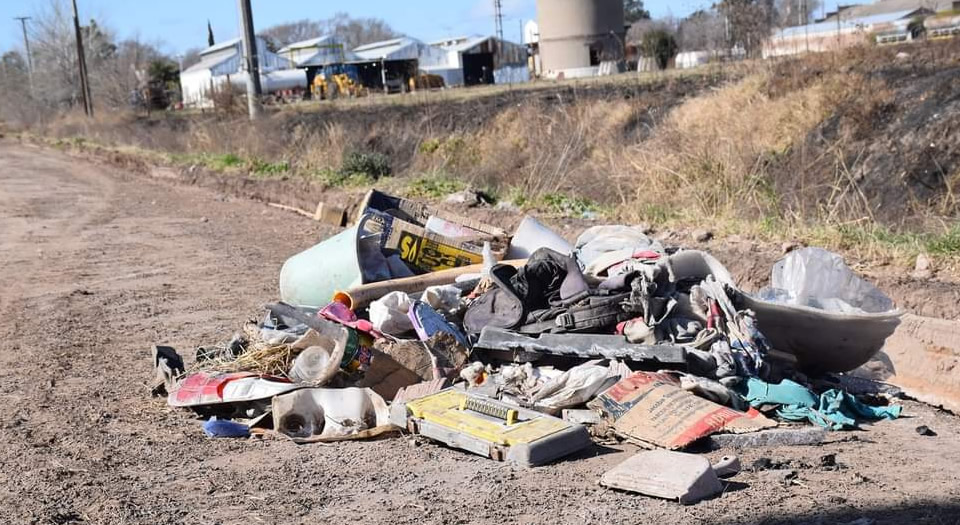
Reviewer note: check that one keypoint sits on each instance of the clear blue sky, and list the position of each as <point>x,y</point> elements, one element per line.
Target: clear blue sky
<point>181,24</point>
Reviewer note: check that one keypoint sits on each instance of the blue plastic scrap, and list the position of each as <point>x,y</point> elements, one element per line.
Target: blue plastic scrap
<point>427,322</point>
<point>221,428</point>
<point>834,409</point>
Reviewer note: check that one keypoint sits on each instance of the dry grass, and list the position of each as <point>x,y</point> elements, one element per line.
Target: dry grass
<point>777,154</point>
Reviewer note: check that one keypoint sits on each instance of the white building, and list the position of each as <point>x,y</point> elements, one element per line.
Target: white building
<point>223,65</point>
<point>842,31</point>
<point>323,51</point>
<point>477,60</point>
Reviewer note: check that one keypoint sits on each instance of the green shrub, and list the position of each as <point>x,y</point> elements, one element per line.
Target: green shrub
<point>262,167</point>
<point>434,186</point>
<point>373,165</point>
<point>564,204</point>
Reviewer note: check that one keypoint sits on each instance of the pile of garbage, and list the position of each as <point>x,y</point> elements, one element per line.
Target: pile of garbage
<point>527,349</point>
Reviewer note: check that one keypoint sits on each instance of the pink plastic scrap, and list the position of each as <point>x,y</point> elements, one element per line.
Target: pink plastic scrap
<point>339,313</point>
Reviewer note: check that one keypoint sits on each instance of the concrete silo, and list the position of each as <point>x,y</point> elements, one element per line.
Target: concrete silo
<point>576,36</point>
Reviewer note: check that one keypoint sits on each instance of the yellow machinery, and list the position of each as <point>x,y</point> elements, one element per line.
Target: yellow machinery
<point>336,86</point>
<point>426,81</point>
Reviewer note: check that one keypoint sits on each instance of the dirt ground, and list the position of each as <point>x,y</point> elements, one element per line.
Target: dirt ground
<point>97,265</point>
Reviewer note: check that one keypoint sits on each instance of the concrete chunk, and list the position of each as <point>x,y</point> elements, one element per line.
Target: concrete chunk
<point>770,438</point>
<point>686,478</point>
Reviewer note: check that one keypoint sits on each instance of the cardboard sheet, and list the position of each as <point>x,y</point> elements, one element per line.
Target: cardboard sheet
<point>652,409</point>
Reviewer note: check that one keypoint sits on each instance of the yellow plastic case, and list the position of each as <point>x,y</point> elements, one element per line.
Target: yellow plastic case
<point>490,428</point>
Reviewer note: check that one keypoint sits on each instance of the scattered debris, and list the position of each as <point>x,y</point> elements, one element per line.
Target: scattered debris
<point>923,269</point>
<point>781,476</point>
<point>727,466</point>
<point>410,319</point>
<point>330,414</point>
<point>219,428</point>
<point>581,417</point>
<point>702,235</point>
<point>168,366</point>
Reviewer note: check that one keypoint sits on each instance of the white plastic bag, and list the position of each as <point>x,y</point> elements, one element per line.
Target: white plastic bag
<point>444,299</point>
<point>388,314</point>
<point>820,279</point>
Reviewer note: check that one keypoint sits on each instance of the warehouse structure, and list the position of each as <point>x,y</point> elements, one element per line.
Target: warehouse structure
<point>321,51</point>
<point>390,64</point>
<point>326,54</point>
<point>222,67</point>
<point>576,37</point>
<point>478,60</point>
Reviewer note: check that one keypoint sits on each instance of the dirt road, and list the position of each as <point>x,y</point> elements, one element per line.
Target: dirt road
<point>98,265</point>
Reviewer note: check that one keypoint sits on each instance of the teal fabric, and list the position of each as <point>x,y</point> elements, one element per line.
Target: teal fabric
<point>834,409</point>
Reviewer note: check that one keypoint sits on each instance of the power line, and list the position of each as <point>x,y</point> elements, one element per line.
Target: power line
<point>250,49</point>
<point>26,44</point>
<point>498,13</point>
<point>82,64</point>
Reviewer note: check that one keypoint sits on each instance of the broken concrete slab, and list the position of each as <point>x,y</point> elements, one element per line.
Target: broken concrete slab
<point>686,478</point>
<point>769,438</point>
<point>921,357</point>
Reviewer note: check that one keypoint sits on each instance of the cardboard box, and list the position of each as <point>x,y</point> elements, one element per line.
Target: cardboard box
<point>402,223</point>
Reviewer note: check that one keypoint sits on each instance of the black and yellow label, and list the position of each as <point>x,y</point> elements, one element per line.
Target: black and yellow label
<point>432,256</point>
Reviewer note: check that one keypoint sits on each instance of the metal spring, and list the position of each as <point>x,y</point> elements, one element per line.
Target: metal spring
<point>489,409</point>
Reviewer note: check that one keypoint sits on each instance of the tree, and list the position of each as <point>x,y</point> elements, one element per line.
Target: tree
<point>701,31</point>
<point>282,35</point>
<point>659,44</point>
<point>792,13</point>
<point>13,66</point>
<point>353,31</point>
<point>190,57</point>
<point>749,21</point>
<point>634,11</point>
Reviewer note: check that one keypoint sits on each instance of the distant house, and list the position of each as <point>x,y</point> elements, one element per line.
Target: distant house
<point>886,7</point>
<point>843,31</point>
<point>477,60</point>
<point>222,65</point>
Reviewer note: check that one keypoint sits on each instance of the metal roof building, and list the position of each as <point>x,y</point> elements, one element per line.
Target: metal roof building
<point>884,7</point>
<point>403,48</point>
<point>222,65</point>
<point>472,60</point>
<point>320,51</point>
<point>838,33</point>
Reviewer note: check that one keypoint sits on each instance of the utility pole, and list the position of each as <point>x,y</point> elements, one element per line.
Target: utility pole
<point>82,64</point>
<point>250,58</point>
<point>26,45</point>
<point>498,12</point>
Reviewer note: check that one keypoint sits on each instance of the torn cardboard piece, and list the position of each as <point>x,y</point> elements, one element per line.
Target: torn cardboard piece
<point>652,409</point>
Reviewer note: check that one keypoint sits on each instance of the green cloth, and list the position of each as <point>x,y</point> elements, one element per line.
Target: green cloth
<point>834,409</point>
